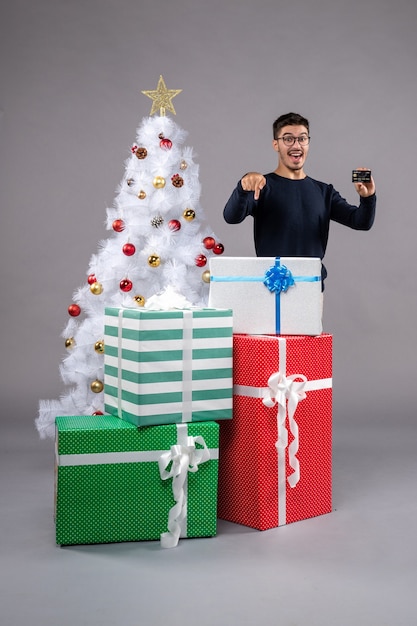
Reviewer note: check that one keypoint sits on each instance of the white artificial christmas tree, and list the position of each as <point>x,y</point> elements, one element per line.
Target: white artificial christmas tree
<point>159,241</point>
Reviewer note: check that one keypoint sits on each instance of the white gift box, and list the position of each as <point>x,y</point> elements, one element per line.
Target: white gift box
<point>269,295</point>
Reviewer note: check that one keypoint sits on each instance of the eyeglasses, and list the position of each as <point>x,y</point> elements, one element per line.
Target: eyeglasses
<point>289,140</point>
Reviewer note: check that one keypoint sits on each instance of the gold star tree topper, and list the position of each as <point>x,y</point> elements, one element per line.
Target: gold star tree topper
<point>162,98</point>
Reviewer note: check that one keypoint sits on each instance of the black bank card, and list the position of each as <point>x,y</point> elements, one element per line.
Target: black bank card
<point>361,176</point>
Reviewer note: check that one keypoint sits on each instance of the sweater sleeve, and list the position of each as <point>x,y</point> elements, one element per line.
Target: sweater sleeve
<point>240,204</point>
<point>358,217</point>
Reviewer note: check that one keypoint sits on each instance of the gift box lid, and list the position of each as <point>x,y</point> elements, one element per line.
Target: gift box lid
<point>167,313</point>
<point>106,433</point>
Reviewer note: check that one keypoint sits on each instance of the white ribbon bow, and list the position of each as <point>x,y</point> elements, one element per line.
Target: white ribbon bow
<point>183,459</point>
<point>283,389</point>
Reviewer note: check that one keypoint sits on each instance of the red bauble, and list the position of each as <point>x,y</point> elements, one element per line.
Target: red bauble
<point>166,144</point>
<point>218,248</point>
<point>98,413</point>
<point>91,278</point>
<point>209,243</point>
<point>126,285</point>
<point>74,310</point>
<point>118,226</point>
<point>200,260</point>
<point>174,225</point>
<point>129,249</point>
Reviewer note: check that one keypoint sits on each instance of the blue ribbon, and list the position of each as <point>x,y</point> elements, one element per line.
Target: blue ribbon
<point>278,278</point>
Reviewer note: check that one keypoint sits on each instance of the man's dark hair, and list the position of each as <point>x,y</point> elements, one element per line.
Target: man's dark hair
<point>289,119</point>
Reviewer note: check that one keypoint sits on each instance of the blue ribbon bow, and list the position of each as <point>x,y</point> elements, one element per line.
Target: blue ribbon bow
<point>278,278</point>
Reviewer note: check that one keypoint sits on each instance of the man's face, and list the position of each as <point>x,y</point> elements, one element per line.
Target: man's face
<point>292,156</point>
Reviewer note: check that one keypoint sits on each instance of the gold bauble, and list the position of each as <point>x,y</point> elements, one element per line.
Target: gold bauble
<point>140,300</point>
<point>142,195</point>
<point>183,165</point>
<point>99,346</point>
<point>70,342</point>
<point>189,215</point>
<point>96,386</point>
<point>154,260</point>
<point>96,288</point>
<point>206,276</point>
<point>158,182</point>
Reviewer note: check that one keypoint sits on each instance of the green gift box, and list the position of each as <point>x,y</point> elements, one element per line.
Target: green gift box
<point>116,482</point>
<point>167,367</point>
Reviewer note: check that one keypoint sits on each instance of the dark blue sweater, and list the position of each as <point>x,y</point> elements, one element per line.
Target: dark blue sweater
<point>292,217</point>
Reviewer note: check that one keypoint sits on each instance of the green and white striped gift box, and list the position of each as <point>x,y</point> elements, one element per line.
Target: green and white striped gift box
<point>168,367</point>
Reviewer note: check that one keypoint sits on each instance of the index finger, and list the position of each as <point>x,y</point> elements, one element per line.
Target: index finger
<point>258,188</point>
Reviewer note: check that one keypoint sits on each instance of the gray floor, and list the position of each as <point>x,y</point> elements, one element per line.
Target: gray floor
<point>357,565</point>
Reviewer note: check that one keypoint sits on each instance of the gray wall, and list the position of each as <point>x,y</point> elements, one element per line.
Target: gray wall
<point>71,79</point>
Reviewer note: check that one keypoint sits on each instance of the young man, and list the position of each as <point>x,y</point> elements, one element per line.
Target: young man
<point>292,211</point>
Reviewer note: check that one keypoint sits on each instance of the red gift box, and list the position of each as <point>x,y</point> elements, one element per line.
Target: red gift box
<point>275,464</point>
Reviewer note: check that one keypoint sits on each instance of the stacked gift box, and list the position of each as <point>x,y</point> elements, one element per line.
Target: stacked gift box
<point>275,455</point>
<point>218,412</point>
<point>148,468</point>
